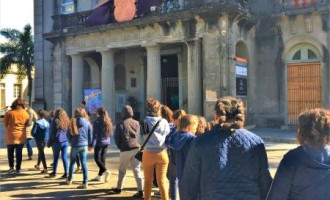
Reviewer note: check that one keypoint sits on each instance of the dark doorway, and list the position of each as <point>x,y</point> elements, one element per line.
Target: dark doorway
<point>170,82</point>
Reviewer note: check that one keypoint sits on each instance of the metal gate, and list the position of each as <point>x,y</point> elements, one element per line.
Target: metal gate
<point>167,84</point>
<point>304,89</point>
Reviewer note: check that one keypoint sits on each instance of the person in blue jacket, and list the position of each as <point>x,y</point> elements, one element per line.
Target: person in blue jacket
<point>228,162</point>
<point>304,172</point>
<point>40,132</point>
<point>180,141</point>
<point>102,130</point>
<point>58,141</point>
<point>80,138</point>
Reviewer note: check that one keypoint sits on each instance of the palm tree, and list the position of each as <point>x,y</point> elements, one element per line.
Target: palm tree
<point>19,51</point>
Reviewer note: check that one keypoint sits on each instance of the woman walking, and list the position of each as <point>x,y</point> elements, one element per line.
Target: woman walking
<point>40,132</point>
<point>304,172</point>
<point>15,122</point>
<point>102,130</point>
<point>58,141</point>
<point>80,138</point>
<point>228,162</point>
<point>126,138</point>
<point>155,152</point>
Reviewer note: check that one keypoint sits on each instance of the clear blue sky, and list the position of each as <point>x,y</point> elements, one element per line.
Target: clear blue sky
<point>15,14</point>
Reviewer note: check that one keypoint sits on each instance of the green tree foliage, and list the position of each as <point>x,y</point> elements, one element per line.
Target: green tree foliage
<point>18,50</point>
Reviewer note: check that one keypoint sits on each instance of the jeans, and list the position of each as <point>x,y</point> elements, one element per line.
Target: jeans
<point>29,146</point>
<point>99,157</point>
<point>150,161</point>
<point>82,152</point>
<point>41,153</point>
<point>10,153</point>
<point>171,176</point>
<point>63,149</point>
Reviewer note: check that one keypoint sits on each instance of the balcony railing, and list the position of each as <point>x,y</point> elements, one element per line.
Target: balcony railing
<point>301,5</point>
<point>76,20</point>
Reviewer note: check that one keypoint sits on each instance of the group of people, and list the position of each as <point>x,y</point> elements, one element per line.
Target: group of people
<point>200,160</point>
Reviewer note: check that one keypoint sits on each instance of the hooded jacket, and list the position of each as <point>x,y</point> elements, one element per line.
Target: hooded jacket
<point>40,130</point>
<point>156,143</point>
<point>225,165</point>
<point>127,132</point>
<point>57,135</point>
<point>84,137</point>
<point>304,174</point>
<point>180,143</point>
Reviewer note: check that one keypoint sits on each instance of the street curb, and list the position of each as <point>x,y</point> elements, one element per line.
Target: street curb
<point>279,140</point>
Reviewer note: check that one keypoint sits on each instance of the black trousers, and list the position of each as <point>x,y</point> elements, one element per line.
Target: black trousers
<point>41,153</point>
<point>99,157</point>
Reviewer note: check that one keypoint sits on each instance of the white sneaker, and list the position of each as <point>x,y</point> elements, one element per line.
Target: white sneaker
<point>69,182</point>
<point>106,175</point>
<point>97,178</point>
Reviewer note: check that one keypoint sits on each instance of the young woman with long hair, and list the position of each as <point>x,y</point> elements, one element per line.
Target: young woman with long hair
<point>58,140</point>
<point>80,138</point>
<point>102,130</point>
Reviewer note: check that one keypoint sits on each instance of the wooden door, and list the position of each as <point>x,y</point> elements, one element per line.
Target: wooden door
<point>304,89</point>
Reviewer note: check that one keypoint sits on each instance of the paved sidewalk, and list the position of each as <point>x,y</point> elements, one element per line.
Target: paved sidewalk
<point>276,135</point>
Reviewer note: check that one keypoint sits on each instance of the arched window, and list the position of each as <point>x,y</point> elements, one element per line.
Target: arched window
<point>303,52</point>
<point>120,77</point>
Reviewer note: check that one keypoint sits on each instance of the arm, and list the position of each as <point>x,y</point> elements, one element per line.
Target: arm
<point>90,136</point>
<point>96,129</point>
<point>191,184</point>
<point>5,120</point>
<point>34,130</point>
<point>265,179</point>
<point>280,189</point>
<point>117,135</point>
<point>51,134</point>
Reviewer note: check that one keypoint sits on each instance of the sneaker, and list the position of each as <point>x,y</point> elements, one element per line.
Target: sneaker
<point>11,171</point>
<point>45,171</point>
<point>51,175</point>
<point>97,178</point>
<point>78,170</point>
<point>18,172</point>
<point>64,176</point>
<point>115,191</point>
<point>157,194</point>
<point>139,194</point>
<point>106,175</point>
<point>69,182</point>
<point>51,164</point>
<point>30,158</point>
<point>83,186</point>
<point>36,167</point>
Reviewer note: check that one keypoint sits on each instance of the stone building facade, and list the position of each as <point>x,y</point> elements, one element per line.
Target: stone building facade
<point>188,53</point>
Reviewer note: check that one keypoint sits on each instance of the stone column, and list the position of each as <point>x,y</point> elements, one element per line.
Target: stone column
<point>194,77</point>
<point>77,81</point>
<point>153,72</point>
<point>108,83</point>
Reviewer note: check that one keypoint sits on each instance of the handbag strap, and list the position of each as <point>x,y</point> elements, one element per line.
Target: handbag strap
<point>149,135</point>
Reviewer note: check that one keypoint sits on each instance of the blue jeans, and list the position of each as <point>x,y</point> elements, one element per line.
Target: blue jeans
<point>10,153</point>
<point>63,149</point>
<point>29,146</point>
<point>82,152</point>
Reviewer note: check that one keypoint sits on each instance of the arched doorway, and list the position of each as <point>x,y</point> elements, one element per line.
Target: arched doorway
<point>304,80</point>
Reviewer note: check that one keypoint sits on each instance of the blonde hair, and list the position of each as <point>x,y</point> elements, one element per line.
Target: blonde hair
<point>188,123</point>
<point>177,116</point>
<point>202,125</point>
<point>61,119</point>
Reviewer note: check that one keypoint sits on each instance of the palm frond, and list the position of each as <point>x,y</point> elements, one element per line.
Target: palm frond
<point>11,34</point>
<point>5,64</point>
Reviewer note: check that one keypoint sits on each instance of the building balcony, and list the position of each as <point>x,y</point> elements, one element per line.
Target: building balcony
<point>78,20</point>
<point>294,7</point>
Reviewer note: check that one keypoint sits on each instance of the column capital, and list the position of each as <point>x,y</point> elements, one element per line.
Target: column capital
<point>153,46</point>
<point>106,50</point>
<point>76,55</point>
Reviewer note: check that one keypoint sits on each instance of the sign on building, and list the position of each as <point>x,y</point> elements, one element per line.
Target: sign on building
<point>93,98</point>
<point>241,77</point>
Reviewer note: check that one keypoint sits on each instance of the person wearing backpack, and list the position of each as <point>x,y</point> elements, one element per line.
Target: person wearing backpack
<point>40,132</point>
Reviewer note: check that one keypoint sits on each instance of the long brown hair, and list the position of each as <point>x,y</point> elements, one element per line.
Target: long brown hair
<point>106,125</point>
<point>61,119</point>
<point>229,113</point>
<point>73,124</point>
<point>167,113</point>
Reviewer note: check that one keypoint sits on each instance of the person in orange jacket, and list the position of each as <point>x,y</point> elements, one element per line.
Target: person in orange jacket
<point>15,122</point>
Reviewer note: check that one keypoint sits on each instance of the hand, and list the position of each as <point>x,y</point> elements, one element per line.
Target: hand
<point>90,149</point>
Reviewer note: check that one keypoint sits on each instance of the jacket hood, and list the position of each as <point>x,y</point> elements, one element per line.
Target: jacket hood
<point>316,157</point>
<point>179,139</point>
<point>81,121</point>
<point>126,112</point>
<point>43,123</point>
